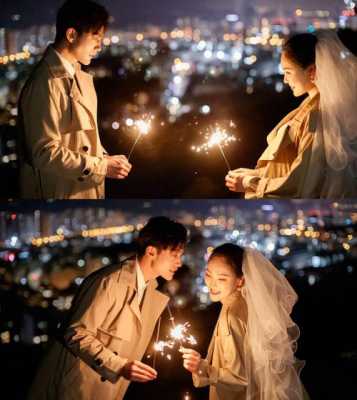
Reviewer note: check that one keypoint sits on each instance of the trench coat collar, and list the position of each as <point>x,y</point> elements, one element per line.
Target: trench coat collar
<point>55,64</point>
<point>153,303</point>
<point>277,138</point>
<point>81,83</point>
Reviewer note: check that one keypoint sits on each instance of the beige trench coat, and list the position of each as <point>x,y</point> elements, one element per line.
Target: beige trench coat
<point>60,150</point>
<point>105,329</point>
<point>294,166</point>
<point>223,369</point>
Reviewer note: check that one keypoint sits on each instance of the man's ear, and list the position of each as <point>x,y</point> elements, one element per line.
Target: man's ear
<point>151,251</point>
<point>71,35</point>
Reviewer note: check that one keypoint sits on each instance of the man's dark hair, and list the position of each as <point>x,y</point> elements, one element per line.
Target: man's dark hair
<point>162,233</point>
<point>82,15</point>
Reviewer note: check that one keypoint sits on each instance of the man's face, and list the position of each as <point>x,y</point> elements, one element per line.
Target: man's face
<point>87,46</point>
<point>167,262</point>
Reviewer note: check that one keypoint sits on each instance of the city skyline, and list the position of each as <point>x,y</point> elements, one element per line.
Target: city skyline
<point>23,14</point>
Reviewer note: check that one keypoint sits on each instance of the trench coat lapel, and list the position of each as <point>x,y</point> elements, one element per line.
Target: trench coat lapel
<point>128,278</point>
<point>134,306</point>
<point>275,144</point>
<point>154,303</point>
<point>277,139</point>
<point>81,91</point>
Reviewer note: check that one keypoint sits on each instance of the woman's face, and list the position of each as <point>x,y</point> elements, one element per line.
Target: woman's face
<point>299,79</point>
<point>221,279</point>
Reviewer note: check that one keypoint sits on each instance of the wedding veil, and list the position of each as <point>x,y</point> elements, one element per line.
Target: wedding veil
<point>271,336</point>
<point>336,72</point>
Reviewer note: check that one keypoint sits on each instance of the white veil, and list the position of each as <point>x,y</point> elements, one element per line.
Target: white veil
<point>336,72</point>
<point>271,336</point>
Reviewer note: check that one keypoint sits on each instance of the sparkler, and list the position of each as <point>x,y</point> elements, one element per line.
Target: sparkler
<point>178,334</point>
<point>143,126</point>
<point>216,136</point>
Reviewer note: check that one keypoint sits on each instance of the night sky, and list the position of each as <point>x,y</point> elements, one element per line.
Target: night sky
<point>131,12</point>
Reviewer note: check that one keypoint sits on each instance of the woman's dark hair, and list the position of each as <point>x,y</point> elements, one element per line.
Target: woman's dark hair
<point>162,233</point>
<point>301,49</point>
<point>82,15</point>
<point>232,254</point>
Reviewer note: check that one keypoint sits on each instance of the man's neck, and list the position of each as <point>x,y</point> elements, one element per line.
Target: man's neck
<point>65,53</point>
<point>145,265</point>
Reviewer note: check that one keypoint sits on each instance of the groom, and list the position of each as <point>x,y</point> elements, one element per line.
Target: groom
<point>111,321</point>
<point>61,156</point>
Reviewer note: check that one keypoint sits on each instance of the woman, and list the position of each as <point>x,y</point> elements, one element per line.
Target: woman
<point>311,153</point>
<point>251,354</point>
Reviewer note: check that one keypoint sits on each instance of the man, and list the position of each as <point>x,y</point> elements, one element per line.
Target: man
<point>61,153</point>
<point>111,321</point>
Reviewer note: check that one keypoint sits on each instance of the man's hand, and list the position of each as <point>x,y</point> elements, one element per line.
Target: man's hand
<point>137,371</point>
<point>118,167</point>
<point>191,359</point>
<point>234,181</point>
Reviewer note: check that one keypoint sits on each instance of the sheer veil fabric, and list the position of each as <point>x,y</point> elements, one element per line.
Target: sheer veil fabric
<point>336,71</point>
<point>271,338</point>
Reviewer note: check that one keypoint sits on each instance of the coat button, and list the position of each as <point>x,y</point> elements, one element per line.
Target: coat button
<point>98,361</point>
<point>102,379</point>
<point>86,172</point>
<point>81,179</point>
<point>85,148</point>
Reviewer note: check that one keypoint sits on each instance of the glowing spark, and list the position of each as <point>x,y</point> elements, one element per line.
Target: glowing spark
<point>216,136</point>
<point>143,126</point>
<point>178,335</point>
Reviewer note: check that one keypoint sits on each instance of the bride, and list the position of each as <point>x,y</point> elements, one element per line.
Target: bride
<point>311,153</point>
<point>251,354</point>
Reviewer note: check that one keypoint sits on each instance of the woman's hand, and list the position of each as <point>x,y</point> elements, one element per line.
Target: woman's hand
<point>234,181</point>
<point>191,359</point>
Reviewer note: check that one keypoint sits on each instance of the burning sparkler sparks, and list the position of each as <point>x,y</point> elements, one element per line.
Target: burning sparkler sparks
<point>216,136</point>
<point>179,334</point>
<point>142,126</point>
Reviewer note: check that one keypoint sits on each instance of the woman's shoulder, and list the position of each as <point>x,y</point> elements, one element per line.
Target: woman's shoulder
<point>238,314</point>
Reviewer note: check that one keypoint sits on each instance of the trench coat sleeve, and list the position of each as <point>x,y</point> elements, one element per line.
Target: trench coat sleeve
<point>40,103</point>
<point>232,374</point>
<point>292,184</point>
<point>80,334</point>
